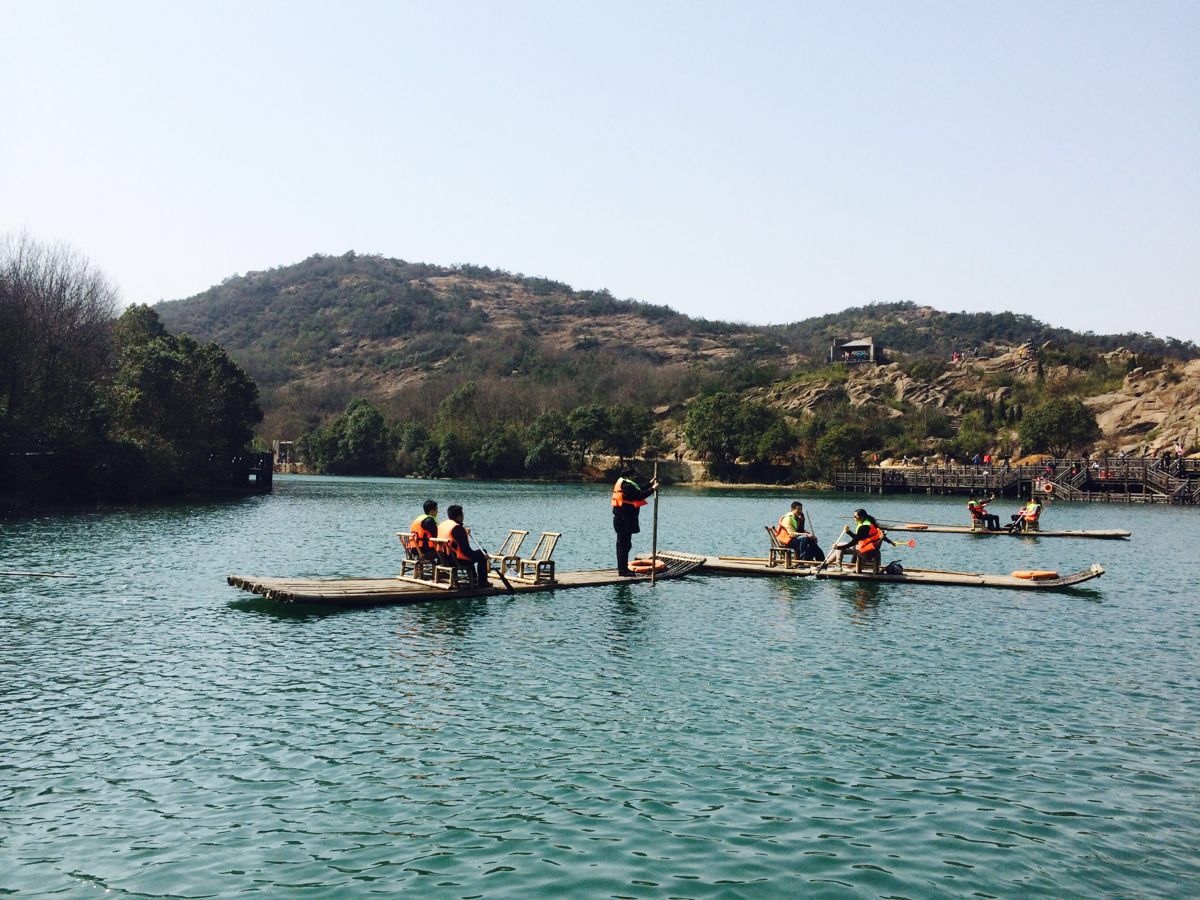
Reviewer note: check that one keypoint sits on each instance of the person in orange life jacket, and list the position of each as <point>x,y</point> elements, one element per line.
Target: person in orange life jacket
<point>452,529</point>
<point>866,537</point>
<point>791,533</point>
<point>978,509</point>
<point>1027,518</point>
<point>425,527</point>
<point>627,498</point>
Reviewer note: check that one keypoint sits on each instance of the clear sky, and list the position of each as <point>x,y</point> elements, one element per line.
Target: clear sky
<point>759,162</point>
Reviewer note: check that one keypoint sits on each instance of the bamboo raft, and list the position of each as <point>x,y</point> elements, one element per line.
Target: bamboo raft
<point>758,566</point>
<point>375,591</point>
<point>1111,534</point>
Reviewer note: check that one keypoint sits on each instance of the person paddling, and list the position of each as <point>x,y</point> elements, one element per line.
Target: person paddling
<point>459,544</point>
<point>866,538</point>
<point>1026,519</point>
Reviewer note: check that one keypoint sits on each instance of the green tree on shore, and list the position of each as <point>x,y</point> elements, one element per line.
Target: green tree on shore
<point>1058,426</point>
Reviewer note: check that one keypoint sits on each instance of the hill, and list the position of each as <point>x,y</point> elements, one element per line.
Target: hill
<point>318,333</point>
<point>465,357</point>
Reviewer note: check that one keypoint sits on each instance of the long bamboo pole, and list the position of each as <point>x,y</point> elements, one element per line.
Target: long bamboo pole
<point>654,529</point>
<point>37,574</point>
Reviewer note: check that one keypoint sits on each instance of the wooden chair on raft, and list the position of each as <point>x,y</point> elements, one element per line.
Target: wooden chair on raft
<point>414,564</point>
<point>538,567</point>
<point>777,553</point>
<point>450,572</point>
<point>508,555</point>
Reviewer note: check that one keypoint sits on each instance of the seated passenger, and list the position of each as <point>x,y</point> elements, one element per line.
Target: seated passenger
<point>867,538</point>
<point>790,533</point>
<point>980,515</point>
<point>452,529</point>
<point>424,528</point>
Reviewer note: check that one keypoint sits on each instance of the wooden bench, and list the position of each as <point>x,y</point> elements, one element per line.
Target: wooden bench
<point>508,556</point>
<point>538,567</point>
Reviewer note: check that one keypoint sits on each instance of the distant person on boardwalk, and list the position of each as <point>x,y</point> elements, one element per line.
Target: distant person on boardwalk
<point>866,538</point>
<point>979,513</point>
<point>1027,518</point>
<point>791,533</point>
<point>459,547</point>
<point>424,529</point>
<point>627,498</point>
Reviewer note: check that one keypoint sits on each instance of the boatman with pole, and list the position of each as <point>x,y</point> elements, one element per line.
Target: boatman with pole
<point>627,498</point>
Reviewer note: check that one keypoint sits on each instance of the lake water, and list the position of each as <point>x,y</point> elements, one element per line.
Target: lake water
<point>163,733</point>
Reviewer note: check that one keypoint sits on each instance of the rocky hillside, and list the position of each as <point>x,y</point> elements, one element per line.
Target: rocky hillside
<point>322,332</point>
<point>1154,410</point>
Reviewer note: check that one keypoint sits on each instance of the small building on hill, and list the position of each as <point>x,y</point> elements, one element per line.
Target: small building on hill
<point>855,350</point>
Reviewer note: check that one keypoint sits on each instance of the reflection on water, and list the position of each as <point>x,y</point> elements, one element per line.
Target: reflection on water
<point>865,597</point>
<point>709,737</point>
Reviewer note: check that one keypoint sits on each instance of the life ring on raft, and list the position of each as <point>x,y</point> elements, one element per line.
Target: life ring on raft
<point>1047,487</point>
<point>1034,575</point>
<point>645,565</point>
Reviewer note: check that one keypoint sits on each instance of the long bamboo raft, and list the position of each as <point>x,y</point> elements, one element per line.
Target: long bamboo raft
<point>376,591</point>
<point>1114,534</point>
<point>757,566</point>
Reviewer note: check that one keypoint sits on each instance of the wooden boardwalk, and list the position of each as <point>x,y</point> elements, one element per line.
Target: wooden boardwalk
<point>1142,480</point>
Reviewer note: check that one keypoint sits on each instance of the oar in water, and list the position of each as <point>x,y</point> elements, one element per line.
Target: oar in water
<point>833,550</point>
<point>499,571</point>
<point>911,542</point>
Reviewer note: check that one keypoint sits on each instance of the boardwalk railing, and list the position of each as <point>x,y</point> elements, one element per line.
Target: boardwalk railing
<point>1141,480</point>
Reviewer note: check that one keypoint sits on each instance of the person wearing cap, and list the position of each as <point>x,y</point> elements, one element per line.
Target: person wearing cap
<point>627,498</point>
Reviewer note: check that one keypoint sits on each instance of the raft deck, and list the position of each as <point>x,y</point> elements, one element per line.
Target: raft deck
<point>1114,534</point>
<point>373,591</point>
<point>757,566</point>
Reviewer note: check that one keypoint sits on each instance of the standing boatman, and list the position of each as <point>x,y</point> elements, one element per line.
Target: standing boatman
<point>627,498</point>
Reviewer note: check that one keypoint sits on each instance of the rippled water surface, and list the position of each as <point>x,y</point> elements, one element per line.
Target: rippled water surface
<point>162,733</point>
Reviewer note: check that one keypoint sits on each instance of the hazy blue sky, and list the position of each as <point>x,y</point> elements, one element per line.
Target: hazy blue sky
<point>751,161</point>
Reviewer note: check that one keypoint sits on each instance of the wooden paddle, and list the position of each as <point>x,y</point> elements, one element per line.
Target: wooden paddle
<point>37,574</point>
<point>654,529</point>
<point>500,571</point>
<point>828,559</point>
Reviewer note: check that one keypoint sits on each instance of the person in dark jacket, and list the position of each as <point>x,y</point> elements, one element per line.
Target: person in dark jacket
<point>453,530</point>
<point>627,498</point>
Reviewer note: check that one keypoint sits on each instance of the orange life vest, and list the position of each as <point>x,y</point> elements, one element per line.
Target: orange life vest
<point>420,536</point>
<point>781,530</point>
<point>445,532</point>
<point>618,497</point>
<point>872,541</point>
